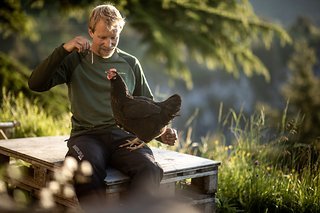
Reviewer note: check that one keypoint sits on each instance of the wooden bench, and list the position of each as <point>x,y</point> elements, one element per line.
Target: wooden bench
<point>45,155</point>
<point>7,128</point>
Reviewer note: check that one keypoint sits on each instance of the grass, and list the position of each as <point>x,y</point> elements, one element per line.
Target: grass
<point>261,173</point>
<point>34,119</point>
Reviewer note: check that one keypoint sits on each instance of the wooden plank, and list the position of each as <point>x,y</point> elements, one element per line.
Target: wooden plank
<point>178,178</point>
<point>42,150</point>
<point>174,161</point>
<point>40,176</point>
<point>115,177</point>
<point>27,183</point>
<point>46,153</point>
<point>39,147</point>
<point>176,166</point>
<point>50,151</point>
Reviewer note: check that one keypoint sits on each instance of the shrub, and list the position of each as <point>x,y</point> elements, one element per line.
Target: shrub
<point>34,119</point>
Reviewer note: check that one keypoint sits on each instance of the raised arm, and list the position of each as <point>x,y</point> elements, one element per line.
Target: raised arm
<point>57,67</point>
<point>42,78</point>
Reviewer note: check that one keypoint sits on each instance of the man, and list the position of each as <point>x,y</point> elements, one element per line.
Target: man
<point>94,136</point>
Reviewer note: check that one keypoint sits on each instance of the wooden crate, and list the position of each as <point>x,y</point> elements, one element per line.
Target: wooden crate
<point>194,177</point>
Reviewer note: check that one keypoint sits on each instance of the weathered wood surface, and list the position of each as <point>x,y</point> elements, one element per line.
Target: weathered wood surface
<point>45,154</point>
<point>50,151</point>
<point>44,151</point>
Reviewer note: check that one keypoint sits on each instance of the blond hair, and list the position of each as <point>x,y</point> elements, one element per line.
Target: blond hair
<point>109,14</point>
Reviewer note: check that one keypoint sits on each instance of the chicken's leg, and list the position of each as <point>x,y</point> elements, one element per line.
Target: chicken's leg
<point>133,144</point>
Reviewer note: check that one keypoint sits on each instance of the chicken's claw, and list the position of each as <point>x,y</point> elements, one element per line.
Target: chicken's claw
<point>133,144</point>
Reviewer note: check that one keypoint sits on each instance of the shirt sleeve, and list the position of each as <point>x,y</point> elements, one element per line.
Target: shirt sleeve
<point>52,71</point>
<point>141,85</point>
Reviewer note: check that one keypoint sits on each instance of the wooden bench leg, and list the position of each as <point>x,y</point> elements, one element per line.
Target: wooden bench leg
<point>113,193</point>
<point>113,197</point>
<point>4,160</point>
<point>207,185</point>
<point>209,208</point>
<point>40,176</point>
<point>168,189</point>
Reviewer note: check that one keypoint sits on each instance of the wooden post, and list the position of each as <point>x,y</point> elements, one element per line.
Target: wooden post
<point>40,176</point>
<point>168,189</point>
<point>207,185</point>
<point>4,160</point>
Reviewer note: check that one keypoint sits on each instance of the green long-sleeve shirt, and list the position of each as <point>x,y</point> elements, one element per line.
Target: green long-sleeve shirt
<point>88,87</point>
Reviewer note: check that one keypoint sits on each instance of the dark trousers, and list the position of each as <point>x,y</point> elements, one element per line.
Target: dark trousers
<point>101,149</point>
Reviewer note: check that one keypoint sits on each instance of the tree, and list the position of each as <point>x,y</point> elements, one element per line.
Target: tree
<point>14,20</point>
<point>300,87</point>
<point>216,33</point>
<point>302,91</point>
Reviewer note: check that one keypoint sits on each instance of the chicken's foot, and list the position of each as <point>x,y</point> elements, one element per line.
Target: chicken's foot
<point>133,144</point>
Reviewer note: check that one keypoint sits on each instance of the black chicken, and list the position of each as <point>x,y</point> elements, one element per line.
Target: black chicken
<point>140,115</point>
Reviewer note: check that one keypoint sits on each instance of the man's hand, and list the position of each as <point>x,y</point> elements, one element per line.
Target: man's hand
<point>169,137</point>
<point>78,43</point>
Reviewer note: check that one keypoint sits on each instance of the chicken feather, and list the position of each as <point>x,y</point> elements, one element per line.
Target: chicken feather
<point>145,118</point>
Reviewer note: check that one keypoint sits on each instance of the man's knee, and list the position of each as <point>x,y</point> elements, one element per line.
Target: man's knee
<point>150,171</point>
<point>86,149</point>
<point>156,170</point>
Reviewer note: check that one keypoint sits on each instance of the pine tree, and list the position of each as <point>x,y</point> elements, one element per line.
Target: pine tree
<point>303,92</point>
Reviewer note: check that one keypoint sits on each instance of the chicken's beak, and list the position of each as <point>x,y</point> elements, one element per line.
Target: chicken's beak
<point>111,74</point>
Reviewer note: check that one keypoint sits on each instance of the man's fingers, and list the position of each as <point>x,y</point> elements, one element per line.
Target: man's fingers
<point>78,43</point>
<point>82,46</point>
<point>171,136</point>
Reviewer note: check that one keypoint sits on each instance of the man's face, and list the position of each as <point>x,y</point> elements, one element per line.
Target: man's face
<point>104,41</point>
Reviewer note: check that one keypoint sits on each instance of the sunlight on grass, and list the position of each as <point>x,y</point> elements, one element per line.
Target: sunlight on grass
<point>256,174</point>
<point>34,119</point>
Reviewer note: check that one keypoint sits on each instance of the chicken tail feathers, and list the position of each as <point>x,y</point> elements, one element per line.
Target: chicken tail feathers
<point>172,106</point>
